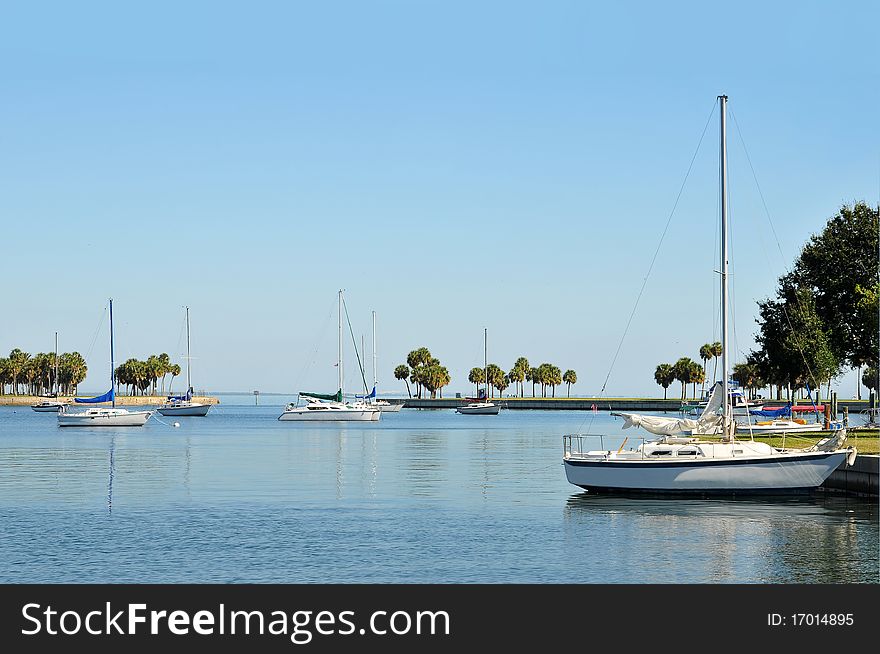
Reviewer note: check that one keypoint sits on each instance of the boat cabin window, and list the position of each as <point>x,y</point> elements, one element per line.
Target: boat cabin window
<point>661,453</point>
<point>688,452</point>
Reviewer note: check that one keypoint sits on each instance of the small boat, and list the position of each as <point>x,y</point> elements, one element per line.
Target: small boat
<point>182,405</point>
<point>482,407</point>
<point>103,416</point>
<point>479,408</point>
<point>677,463</point>
<point>388,407</point>
<point>50,405</point>
<point>778,426</point>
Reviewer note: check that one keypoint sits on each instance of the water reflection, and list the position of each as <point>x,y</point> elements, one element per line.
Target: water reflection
<point>793,539</point>
<point>112,472</point>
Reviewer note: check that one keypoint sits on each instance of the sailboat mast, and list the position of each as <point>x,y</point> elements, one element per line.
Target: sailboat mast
<point>375,374</point>
<point>339,346</point>
<point>486,360</point>
<point>188,378</point>
<point>56,387</point>
<point>112,366</point>
<point>725,412</point>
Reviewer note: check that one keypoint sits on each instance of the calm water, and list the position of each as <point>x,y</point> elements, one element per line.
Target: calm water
<point>422,496</point>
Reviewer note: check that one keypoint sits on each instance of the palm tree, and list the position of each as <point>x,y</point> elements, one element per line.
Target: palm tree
<point>493,375</point>
<point>402,372</point>
<point>173,371</point>
<point>555,378</point>
<point>717,351</point>
<point>664,375</point>
<point>706,353</point>
<point>682,369</point>
<point>17,361</point>
<point>72,371</point>
<point>570,377</point>
<point>533,376</point>
<point>523,368</point>
<point>515,377</point>
<point>476,376</point>
<point>697,376</point>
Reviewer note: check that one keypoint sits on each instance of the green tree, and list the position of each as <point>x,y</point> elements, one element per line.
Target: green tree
<point>707,351</point>
<point>664,375</point>
<point>401,372</point>
<point>570,377</point>
<point>476,377</point>
<point>72,371</point>
<point>683,369</point>
<point>717,351</point>
<point>698,376</point>
<point>493,377</point>
<point>419,358</point>
<point>870,378</point>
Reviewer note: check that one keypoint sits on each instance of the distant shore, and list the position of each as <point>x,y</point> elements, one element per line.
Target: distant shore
<point>121,400</point>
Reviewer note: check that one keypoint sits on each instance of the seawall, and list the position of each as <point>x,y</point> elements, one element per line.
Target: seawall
<point>858,479</point>
<point>121,400</point>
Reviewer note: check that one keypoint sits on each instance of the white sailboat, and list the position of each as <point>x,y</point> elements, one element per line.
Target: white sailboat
<point>686,464</point>
<point>51,405</point>
<point>383,405</point>
<point>331,408</point>
<point>103,416</point>
<point>485,408</point>
<point>182,405</point>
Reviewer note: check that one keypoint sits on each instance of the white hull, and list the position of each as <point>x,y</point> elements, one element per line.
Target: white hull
<point>104,418</point>
<point>389,407</point>
<point>481,408</point>
<point>763,474</point>
<point>185,410</point>
<point>778,427</point>
<point>46,408</point>
<point>347,415</point>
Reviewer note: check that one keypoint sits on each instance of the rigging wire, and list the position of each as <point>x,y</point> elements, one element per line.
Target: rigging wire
<point>797,341</point>
<point>653,260</point>
<point>354,342</point>
<point>319,339</point>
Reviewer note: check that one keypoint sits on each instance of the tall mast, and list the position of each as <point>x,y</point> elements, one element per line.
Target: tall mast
<point>486,360</point>
<point>112,366</point>
<point>188,378</point>
<point>725,411</point>
<point>339,346</point>
<point>375,374</point>
<point>56,386</point>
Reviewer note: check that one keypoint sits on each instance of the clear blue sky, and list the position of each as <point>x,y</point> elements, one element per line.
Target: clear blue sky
<point>452,165</point>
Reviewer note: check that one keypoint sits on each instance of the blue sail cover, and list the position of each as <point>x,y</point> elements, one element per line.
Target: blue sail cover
<point>774,413</point>
<point>182,398</point>
<point>106,397</point>
<point>371,395</point>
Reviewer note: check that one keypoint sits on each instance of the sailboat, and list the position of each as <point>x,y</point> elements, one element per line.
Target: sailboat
<point>103,416</point>
<point>53,405</point>
<point>485,408</point>
<point>383,405</point>
<point>182,405</point>
<point>675,463</point>
<point>330,407</point>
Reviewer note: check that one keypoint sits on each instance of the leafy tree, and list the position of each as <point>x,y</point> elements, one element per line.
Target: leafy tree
<point>477,376</point>
<point>697,376</point>
<point>683,370</point>
<point>871,379</point>
<point>664,375</point>
<point>570,377</point>
<point>707,352</point>
<point>401,372</point>
<point>834,264</point>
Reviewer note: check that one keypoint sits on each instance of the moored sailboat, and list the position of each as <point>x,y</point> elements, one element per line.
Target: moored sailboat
<point>686,464</point>
<point>103,416</point>
<point>182,405</point>
<point>481,407</point>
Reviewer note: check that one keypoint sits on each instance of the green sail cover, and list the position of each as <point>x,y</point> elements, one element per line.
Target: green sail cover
<point>336,397</point>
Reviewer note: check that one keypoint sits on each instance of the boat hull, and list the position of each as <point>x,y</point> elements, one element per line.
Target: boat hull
<point>479,410</point>
<point>389,408</point>
<point>53,408</point>
<point>189,410</point>
<point>128,419</point>
<point>308,415</point>
<point>765,475</point>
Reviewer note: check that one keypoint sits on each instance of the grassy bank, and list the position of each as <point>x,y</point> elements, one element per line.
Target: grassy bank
<point>121,400</point>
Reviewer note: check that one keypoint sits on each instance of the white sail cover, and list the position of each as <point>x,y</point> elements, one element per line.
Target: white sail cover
<point>709,421</point>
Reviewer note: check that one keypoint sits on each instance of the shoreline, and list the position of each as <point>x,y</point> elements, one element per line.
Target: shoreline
<point>121,400</point>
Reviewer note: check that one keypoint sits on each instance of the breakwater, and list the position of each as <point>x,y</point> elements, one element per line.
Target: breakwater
<point>600,404</point>
<point>857,479</point>
<point>121,400</point>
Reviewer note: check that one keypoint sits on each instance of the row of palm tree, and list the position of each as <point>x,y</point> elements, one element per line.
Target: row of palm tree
<point>140,376</point>
<point>425,372</point>
<point>24,374</point>
<point>687,371</point>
